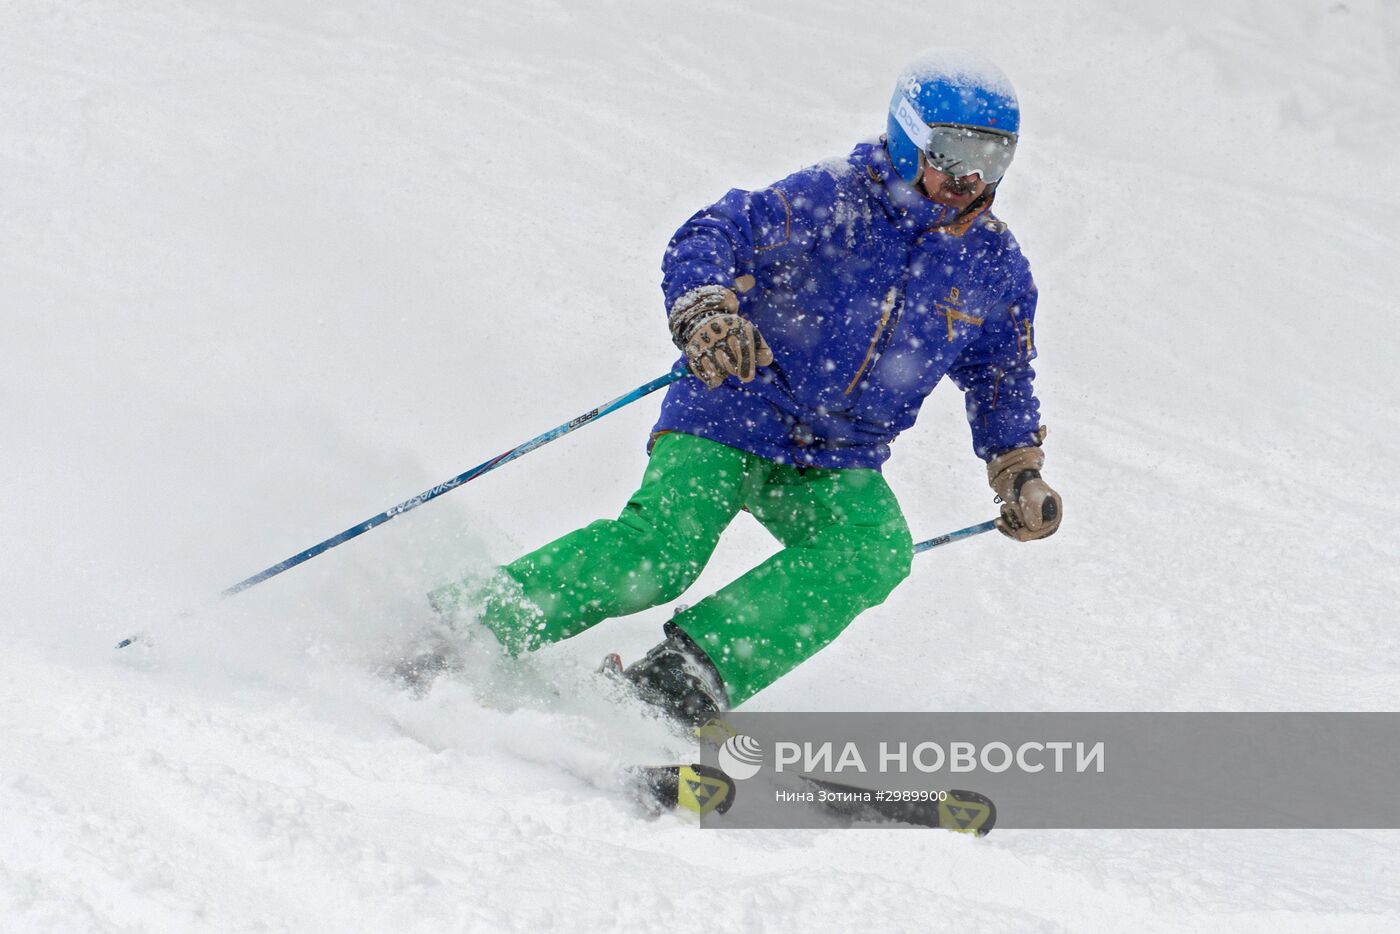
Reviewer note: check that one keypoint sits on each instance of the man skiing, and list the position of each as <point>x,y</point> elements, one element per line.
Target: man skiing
<point>816,316</point>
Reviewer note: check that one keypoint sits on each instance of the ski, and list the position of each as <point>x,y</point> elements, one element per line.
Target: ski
<point>955,810</point>
<point>700,789</point>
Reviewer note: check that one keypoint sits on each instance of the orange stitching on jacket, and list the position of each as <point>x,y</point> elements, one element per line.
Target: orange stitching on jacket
<point>951,306</point>
<point>954,315</point>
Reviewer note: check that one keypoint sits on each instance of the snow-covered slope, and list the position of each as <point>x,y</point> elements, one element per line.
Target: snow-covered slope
<point>268,268</point>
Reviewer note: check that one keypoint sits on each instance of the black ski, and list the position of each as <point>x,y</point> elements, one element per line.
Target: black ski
<point>956,810</point>
<point>703,789</point>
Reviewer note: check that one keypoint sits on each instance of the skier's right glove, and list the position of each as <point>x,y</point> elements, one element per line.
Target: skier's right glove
<point>1029,508</point>
<point>717,342</point>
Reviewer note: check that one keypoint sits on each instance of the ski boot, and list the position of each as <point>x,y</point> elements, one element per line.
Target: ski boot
<point>676,678</point>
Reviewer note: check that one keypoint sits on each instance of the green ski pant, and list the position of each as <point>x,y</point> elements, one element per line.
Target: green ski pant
<point>845,548</point>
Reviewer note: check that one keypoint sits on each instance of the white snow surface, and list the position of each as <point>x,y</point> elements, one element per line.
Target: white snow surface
<point>267,268</point>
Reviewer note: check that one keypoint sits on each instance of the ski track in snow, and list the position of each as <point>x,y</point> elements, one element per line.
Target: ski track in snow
<point>266,269</point>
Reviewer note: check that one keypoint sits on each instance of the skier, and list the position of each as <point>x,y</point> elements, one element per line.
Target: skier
<point>815,315</point>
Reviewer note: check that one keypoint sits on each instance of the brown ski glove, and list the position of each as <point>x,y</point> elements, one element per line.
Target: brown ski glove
<point>1029,508</point>
<point>705,324</point>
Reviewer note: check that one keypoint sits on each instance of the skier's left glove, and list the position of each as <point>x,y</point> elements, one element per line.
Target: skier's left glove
<point>1029,508</point>
<point>717,342</point>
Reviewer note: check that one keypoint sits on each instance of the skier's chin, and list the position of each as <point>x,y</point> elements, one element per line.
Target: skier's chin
<point>961,201</point>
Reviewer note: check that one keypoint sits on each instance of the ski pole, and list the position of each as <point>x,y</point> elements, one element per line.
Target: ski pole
<point>949,537</point>
<point>520,450</point>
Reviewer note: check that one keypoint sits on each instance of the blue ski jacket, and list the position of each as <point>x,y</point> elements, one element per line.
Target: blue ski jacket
<point>867,303</point>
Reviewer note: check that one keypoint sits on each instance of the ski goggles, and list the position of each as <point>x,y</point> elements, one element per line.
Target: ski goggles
<point>963,150</point>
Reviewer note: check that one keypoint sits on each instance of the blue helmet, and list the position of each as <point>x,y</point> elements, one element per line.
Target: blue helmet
<point>953,110</point>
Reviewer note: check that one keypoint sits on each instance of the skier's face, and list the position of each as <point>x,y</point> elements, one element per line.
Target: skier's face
<point>956,192</point>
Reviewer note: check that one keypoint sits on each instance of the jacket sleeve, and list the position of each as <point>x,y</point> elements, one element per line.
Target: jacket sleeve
<point>744,233</point>
<point>994,372</point>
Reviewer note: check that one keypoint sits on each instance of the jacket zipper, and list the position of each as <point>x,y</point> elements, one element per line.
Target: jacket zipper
<point>887,308</point>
